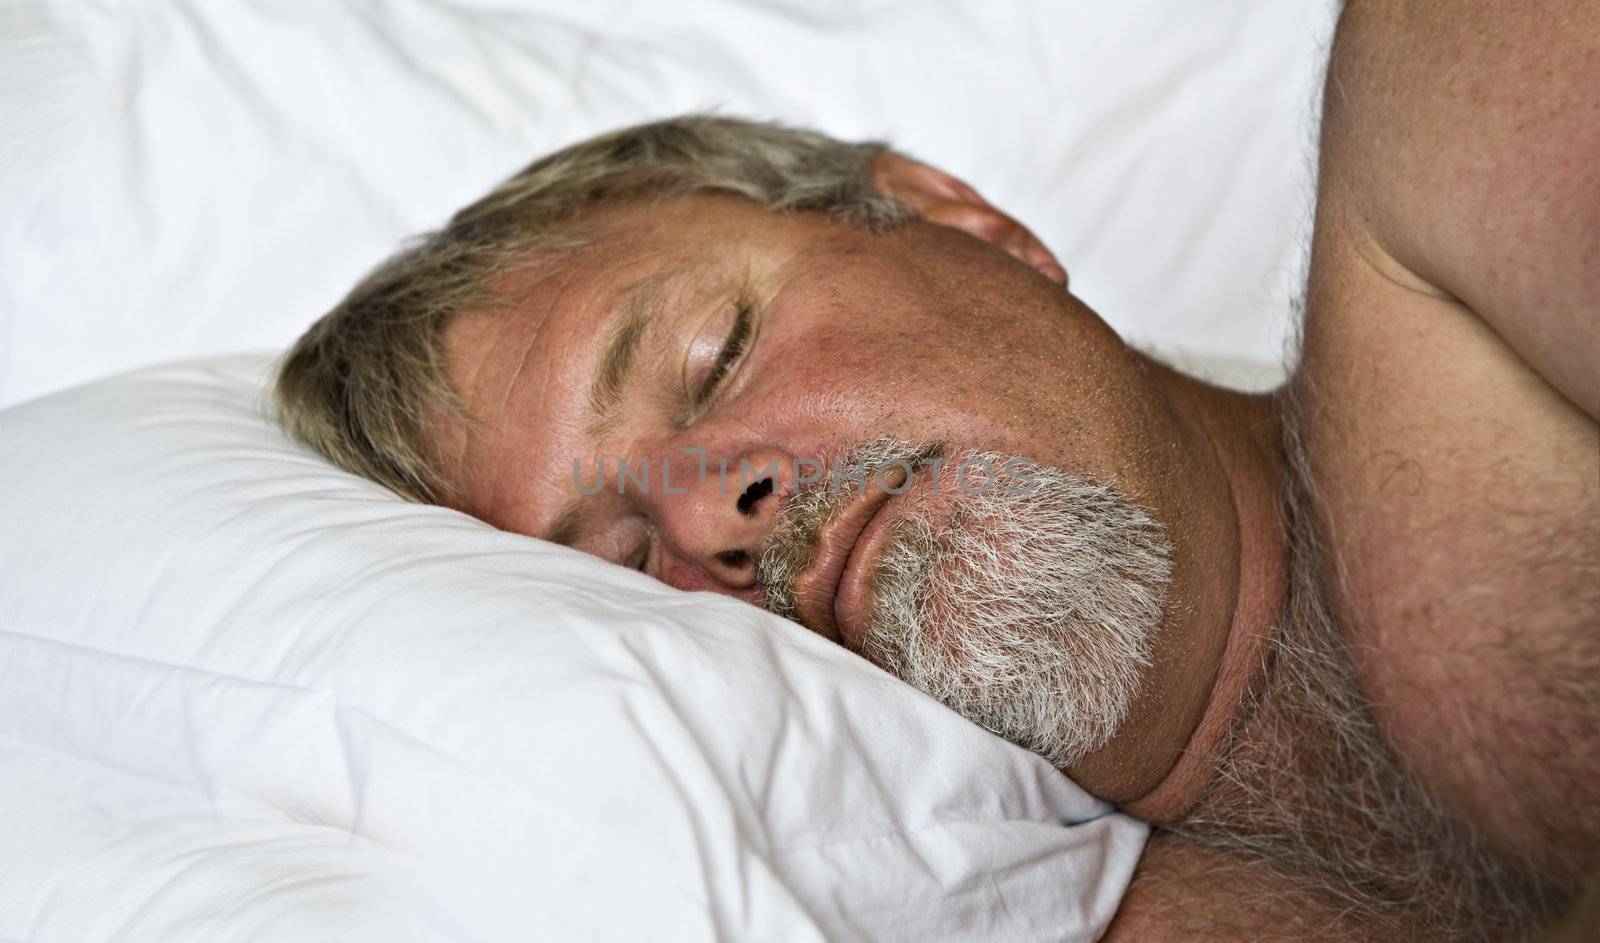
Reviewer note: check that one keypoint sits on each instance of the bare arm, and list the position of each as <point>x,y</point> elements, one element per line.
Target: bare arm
<point>1461,141</point>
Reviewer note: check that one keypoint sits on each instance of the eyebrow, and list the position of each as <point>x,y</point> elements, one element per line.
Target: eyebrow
<point>621,351</point>
<point>617,359</point>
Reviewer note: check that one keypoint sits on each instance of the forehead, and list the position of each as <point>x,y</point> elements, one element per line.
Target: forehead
<point>554,309</point>
<point>682,240</point>
<point>548,315</point>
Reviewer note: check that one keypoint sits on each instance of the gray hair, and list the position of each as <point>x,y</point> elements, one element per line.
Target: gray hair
<point>362,385</point>
<point>1030,607</point>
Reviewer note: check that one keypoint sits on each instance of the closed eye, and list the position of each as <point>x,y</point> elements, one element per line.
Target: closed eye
<point>639,557</point>
<point>732,349</point>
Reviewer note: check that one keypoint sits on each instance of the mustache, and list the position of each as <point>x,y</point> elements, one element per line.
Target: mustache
<point>791,546</point>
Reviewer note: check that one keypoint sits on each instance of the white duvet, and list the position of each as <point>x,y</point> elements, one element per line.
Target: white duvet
<point>246,697</point>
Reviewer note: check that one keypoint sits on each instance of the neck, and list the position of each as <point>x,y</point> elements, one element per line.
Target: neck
<point>1244,433</point>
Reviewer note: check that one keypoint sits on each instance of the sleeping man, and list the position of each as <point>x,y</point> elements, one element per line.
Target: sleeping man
<point>1342,643</point>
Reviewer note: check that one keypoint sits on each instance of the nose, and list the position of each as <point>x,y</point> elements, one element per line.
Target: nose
<point>713,519</point>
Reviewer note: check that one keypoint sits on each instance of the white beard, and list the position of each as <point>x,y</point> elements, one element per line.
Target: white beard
<point>1029,609</point>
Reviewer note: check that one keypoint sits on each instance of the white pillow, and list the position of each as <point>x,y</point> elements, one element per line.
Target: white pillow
<point>191,178</point>
<point>244,695</point>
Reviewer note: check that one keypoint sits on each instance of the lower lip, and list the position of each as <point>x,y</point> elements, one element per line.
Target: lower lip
<point>852,602</point>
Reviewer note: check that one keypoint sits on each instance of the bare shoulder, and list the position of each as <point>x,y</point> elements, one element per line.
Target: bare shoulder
<point>1448,391</point>
<point>1461,140</point>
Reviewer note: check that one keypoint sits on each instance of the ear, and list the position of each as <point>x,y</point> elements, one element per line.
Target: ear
<point>941,198</point>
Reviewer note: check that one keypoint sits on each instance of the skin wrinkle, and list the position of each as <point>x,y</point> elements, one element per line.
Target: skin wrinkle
<point>524,363</point>
<point>562,283</point>
<point>621,349</point>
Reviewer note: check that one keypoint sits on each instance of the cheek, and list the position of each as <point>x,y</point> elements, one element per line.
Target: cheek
<point>849,386</point>
<point>935,358</point>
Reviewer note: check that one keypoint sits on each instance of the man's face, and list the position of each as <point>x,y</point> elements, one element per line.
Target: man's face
<point>705,333</point>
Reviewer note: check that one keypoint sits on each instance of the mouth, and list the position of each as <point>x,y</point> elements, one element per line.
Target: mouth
<point>832,593</point>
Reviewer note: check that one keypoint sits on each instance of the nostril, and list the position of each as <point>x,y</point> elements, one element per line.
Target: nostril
<point>753,495</point>
<point>733,559</point>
